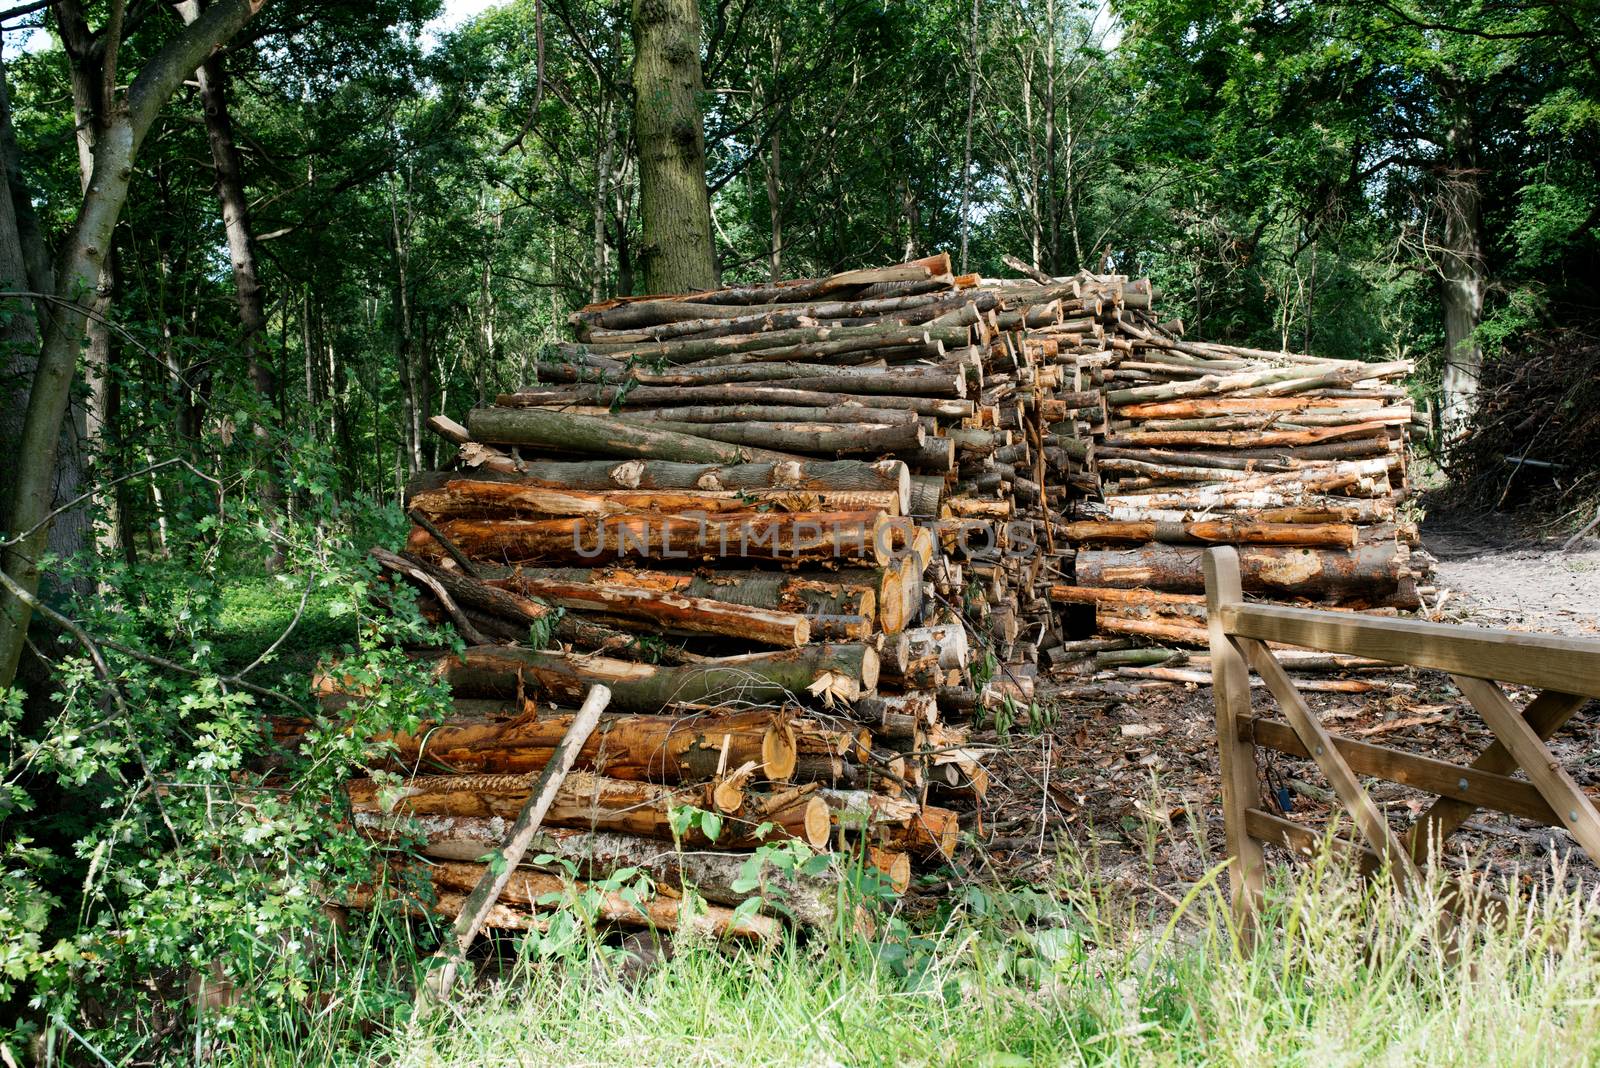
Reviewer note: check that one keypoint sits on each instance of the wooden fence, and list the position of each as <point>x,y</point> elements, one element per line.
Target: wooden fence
<point>1565,671</point>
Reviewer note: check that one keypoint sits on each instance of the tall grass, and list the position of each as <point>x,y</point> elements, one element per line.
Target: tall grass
<point>1344,973</point>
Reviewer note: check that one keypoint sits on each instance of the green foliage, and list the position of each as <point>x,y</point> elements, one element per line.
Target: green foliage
<point>1075,970</point>
<point>149,842</point>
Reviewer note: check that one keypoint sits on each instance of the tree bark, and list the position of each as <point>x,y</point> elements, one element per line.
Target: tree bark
<point>846,671</point>
<point>592,802</point>
<point>810,900</point>
<point>673,203</point>
<point>248,292</point>
<point>1461,270</point>
<point>637,748</point>
<point>604,437</point>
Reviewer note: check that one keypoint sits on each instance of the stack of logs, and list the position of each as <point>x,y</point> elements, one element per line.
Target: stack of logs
<point>805,532</point>
<point>1298,461</point>
<point>757,516</point>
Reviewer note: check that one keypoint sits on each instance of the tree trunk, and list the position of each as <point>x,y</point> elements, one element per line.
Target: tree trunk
<point>774,171</point>
<point>247,288</point>
<point>1461,271</point>
<point>974,62</point>
<point>79,269</point>
<point>599,284</point>
<point>673,203</point>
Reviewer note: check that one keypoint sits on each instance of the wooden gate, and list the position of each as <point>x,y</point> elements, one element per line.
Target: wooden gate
<point>1566,671</point>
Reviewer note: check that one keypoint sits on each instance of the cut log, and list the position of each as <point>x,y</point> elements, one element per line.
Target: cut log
<point>603,437</point>
<point>833,608</point>
<point>810,900</point>
<point>477,499</point>
<point>637,748</point>
<point>896,823</point>
<point>813,476</point>
<point>1216,532</point>
<point>668,612</point>
<point>827,672</point>
<point>850,414</point>
<point>866,537</point>
<point>811,438</point>
<point>807,394</point>
<point>589,802</point>
<point>520,906</point>
<point>1364,572</point>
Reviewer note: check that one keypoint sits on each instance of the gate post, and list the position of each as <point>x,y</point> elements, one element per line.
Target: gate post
<point>1230,684</point>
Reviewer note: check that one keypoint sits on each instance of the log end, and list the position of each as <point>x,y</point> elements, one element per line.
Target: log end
<point>896,867</point>
<point>779,752</point>
<point>816,824</point>
<point>869,669</point>
<point>934,832</point>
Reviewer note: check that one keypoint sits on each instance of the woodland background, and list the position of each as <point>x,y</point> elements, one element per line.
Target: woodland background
<point>342,221</point>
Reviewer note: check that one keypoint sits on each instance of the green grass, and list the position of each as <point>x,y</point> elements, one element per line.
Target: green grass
<point>256,611</point>
<point>1345,974</point>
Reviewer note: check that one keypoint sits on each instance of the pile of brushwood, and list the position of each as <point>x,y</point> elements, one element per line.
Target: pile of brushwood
<point>1534,440</point>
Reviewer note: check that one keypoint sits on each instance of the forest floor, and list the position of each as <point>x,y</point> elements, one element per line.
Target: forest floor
<point>1132,778</point>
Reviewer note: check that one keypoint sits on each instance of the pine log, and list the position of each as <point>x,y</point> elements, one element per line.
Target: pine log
<point>771,413</point>
<point>790,537</point>
<point>1365,571</point>
<point>895,823</point>
<point>520,905</point>
<point>603,437</point>
<point>831,608</point>
<point>807,395</point>
<point>810,438</point>
<point>1203,678</point>
<point>812,476</point>
<point>1065,594</point>
<point>1216,532</point>
<point>1166,630</point>
<point>666,611</point>
<point>482,499</point>
<point>1222,499</point>
<point>1207,406</point>
<point>637,748</point>
<point>816,339</point>
<point>591,802</point>
<point>812,900</point>
<point>838,671</point>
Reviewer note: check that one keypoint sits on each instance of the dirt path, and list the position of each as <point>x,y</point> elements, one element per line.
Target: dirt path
<point>1496,578</point>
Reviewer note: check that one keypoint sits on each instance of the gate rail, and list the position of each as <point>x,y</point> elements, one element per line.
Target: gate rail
<point>1566,671</point>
